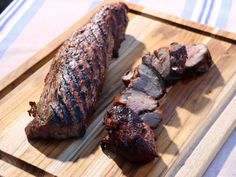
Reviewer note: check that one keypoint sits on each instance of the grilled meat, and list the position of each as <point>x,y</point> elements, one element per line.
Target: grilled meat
<point>128,136</point>
<point>135,100</point>
<point>160,61</point>
<point>145,79</point>
<point>177,61</point>
<point>198,59</point>
<point>135,110</point>
<point>149,82</point>
<point>76,76</point>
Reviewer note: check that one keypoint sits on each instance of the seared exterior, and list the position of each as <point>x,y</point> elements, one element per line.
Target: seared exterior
<point>128,135</point>
<point>135,110</point>
<point>76,76</point>
<point>177,61</point>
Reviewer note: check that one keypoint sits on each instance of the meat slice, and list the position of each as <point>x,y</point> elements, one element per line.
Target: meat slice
<point>189,60</point>
<point>178,57</point>
<point>136,100</point>
<point>160,61</point>
<point>128,136</point>
<point>163,63</point>
<point>198,59</point>
<point>135,111</point>
<point>76,76</point>
<point>145,79</point>
<point>154,84</point>
<point>152,118</point>
<point>177,61</point>
<point>149,59</point>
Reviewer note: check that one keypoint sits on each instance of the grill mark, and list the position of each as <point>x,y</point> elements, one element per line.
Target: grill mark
<point>87,58</point>
<point>76,81</point>
<point>96,84</point>
<point>78,50</point>
<point>112,22</point>
<point>104,35</point>
<point>55,117</point>
<point>84,75</point>
<point>95,60</point>
<point>58,109</point>
<point>75,78</point>
<point>94,34</point>
<point>96,57</point>
<point>88,41</point>
<point>79,115</point>
<point>101,46</point>
<point>88,85</point>
<point>66,113</point>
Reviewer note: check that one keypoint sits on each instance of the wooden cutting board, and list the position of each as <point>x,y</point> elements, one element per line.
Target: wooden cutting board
<point>192,109</point>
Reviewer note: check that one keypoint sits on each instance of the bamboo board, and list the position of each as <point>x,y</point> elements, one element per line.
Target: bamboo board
<point>190,107</point>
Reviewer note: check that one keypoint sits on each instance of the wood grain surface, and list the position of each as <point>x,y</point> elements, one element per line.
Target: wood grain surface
<point>190,107</point>
<point>211,143</point>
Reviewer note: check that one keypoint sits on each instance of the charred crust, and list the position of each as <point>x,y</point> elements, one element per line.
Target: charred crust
<point>128,128</point>
<point>33,110</point>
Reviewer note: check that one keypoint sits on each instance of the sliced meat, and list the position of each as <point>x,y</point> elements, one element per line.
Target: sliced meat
<point>135,111</point>
<point>177,61</point>
<point>148,59</point>
<point>152,118</point>
<point>178,57</point>
<point>160,61</point>
<point>136,100</point>
<point>128,136</point>
<point>189,60</point>
<point>198,59</point>
<point>149,82</point>
<point>165,64</point>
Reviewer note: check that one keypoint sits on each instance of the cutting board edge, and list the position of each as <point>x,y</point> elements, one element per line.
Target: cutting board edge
<point>57,44</point>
